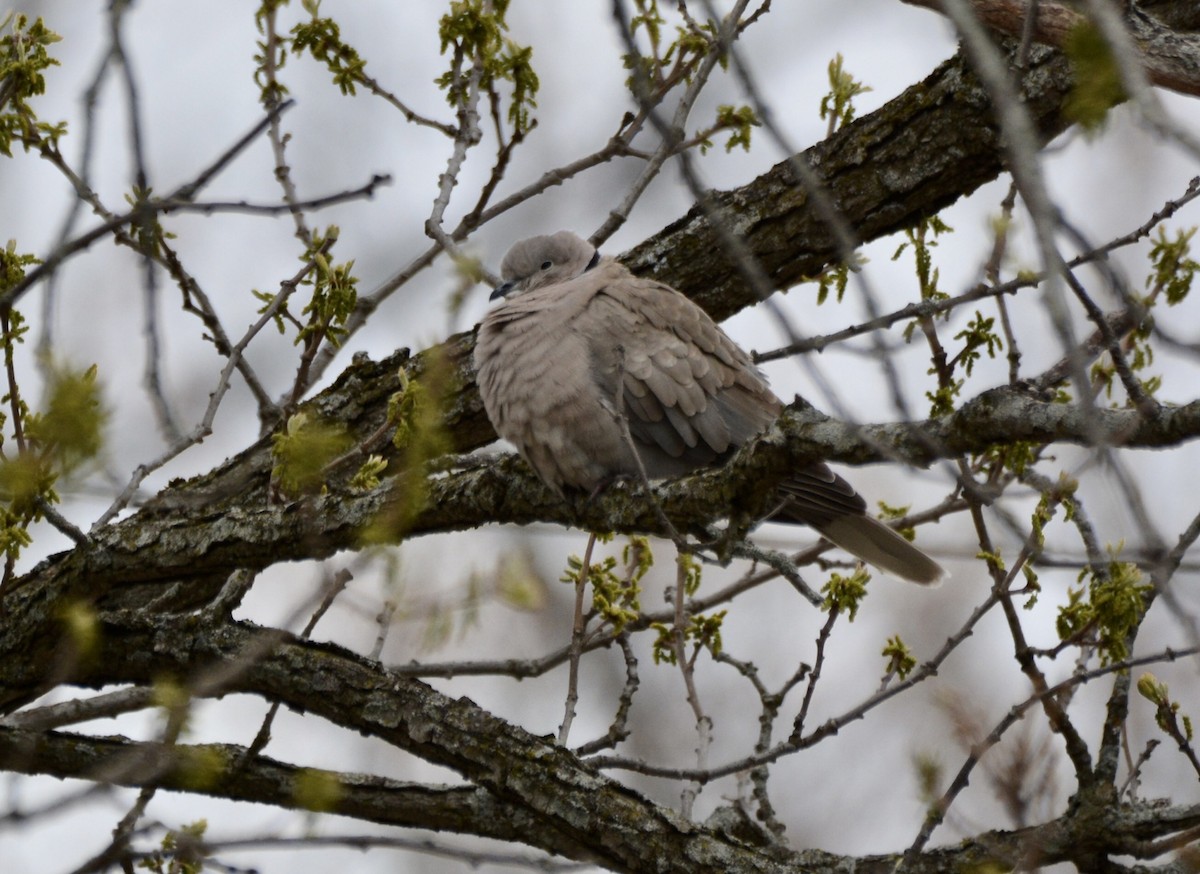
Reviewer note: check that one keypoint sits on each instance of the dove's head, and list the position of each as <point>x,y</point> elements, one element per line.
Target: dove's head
<point>545,260</point>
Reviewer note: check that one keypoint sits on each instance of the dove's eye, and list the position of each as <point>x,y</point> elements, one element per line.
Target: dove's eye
<point>546,265</point>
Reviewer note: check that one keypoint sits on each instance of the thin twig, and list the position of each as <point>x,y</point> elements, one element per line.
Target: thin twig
<point>687,670</point>
<point>619,729</point>
<point>103,706</point>
<point>575,649</point>
<point>334,585</point>
<point>204,427</point>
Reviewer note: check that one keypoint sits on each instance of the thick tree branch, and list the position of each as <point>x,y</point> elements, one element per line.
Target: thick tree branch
<point>226,771</point>
<point>530,775</point>
<point>1170,57</point>
<point>923,150</point>
<point>195,548</point>
<point>533,791</point>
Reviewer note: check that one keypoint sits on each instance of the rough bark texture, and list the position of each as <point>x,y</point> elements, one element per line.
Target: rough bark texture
<point>529,789</point>
<point>1167,52</point>
<point>928,147</point>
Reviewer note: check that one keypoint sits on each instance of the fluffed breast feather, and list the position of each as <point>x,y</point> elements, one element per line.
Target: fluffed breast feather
<point>690,394</point>
<point>594,373</point>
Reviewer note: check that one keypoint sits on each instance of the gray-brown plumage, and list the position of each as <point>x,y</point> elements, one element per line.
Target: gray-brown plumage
<point>582,345</point>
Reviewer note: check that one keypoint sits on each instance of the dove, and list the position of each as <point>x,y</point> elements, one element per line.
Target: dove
<point>594,374</point>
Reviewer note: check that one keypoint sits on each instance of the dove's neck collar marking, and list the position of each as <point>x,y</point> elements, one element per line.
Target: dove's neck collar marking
<point>595,260</point>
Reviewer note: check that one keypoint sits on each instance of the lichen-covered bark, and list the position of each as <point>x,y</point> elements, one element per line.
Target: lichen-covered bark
<point>1163,31</point>
<point>928,147</point>
<point>195,548</point>
<point>530,789</point>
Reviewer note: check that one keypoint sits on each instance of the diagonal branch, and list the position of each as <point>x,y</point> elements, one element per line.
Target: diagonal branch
<point>532,790</point>
<point>226,771</point>
<point>920,152</point>
<point>1169,56</point>
<point>194,546</point>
